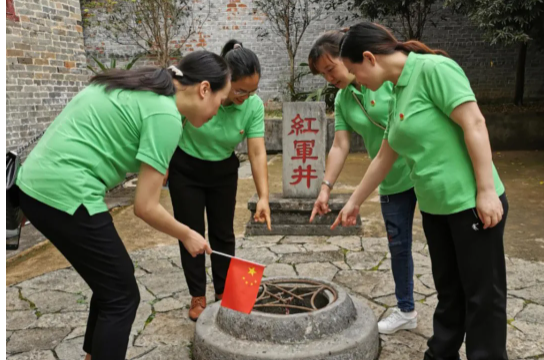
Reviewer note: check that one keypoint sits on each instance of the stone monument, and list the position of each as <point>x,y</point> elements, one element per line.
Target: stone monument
<point>304,154</point>
<point>302,319</point>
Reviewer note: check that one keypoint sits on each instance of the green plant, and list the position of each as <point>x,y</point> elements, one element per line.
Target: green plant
<point>113,64</point>
<point>326,93</point>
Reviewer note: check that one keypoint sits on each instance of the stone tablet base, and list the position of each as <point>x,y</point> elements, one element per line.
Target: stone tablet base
<point>291,216</point>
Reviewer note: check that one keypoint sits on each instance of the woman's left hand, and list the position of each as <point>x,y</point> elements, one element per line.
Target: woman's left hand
<point>262,213</point>
<point>489,208</point>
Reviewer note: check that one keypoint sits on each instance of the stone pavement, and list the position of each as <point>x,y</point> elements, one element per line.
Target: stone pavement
<point>46,316</point>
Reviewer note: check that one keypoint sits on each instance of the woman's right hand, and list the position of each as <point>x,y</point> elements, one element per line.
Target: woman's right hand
<point>196,244</point>
<point>348,215</point>
<point>321,205</point>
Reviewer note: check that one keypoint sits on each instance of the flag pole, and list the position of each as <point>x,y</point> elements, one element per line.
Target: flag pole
<point>234,257</point>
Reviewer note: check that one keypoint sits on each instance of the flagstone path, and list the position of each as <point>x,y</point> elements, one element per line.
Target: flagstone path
<point>46,315</point>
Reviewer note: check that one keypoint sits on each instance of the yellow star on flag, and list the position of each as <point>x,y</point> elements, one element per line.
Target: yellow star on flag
<point>252,271</point>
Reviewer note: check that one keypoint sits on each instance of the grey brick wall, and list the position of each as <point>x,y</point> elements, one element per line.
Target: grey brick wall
<point>47,52</point>
<point>491,69</point>
<point>230,19</point>
<point>46,65</point>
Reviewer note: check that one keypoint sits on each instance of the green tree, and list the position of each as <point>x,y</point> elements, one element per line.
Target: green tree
<point>289,20</point>
<point>507,22</point>
<point>412,15</point>
<point>158,27</point>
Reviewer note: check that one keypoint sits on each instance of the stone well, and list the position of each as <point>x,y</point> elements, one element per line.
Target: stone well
<point>293,318</point>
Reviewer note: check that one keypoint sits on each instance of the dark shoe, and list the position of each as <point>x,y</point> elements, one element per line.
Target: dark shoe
<point>198,304</point>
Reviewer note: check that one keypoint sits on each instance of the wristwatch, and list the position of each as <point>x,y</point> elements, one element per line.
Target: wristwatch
<point>328,184</point>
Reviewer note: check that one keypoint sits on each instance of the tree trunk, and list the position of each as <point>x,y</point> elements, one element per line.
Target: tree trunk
<point>292,76</point>
<point>520,74</point>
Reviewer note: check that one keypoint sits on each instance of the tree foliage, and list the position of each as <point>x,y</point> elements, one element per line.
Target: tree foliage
<point>504,21</point>
<point>507,22</point>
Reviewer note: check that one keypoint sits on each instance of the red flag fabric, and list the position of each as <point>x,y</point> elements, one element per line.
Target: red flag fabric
<point>242,285</point>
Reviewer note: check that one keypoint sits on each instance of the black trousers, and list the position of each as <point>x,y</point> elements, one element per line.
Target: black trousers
<point>469,273</point>
<point>95,250</point>
<point>197,185</point>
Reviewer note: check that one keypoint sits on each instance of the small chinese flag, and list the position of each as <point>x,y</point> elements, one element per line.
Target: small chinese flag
<point>242,285</point>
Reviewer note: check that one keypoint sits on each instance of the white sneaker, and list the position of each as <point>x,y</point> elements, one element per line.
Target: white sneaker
<point>11,233</point>
<point>398,321</point>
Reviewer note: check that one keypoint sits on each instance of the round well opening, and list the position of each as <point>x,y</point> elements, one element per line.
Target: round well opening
<point>293,296</point>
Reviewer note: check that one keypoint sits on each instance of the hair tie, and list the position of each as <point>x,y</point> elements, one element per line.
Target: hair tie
<point>237,46</point>
<point>176,71</point>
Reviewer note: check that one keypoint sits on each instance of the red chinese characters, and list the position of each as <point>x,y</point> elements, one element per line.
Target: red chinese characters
<point>297,125</point>
<point>304,150</point>
<point>300,174</point>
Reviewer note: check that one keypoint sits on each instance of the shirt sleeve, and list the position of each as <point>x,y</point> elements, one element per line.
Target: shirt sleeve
<point>448,86</point>
<point>159,137</point>
<point>340,123</point>
<point>256,123</point>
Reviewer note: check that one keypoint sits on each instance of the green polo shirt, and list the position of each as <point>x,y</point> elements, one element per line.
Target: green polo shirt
<point>429,88</point>
<point>95,141</point>
<point>217,139</point>
<point>349,116</point>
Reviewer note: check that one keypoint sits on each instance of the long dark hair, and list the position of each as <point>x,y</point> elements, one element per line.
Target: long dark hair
<point>326,44</point>
<point>368,36</point>
<point>242,62</point>
<point>196,67</point>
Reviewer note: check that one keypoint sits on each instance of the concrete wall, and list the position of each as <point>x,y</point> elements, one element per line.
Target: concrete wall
<point>45,64</point>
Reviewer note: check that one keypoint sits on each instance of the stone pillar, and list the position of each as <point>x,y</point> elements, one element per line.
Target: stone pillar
<point>304,156</point>
<point>304,146</point>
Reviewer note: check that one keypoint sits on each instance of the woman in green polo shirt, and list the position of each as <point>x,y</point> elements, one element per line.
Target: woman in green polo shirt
<point>125,121</point>
<point>203,173</point>
<point>436,125</point>
<point>356,108</point>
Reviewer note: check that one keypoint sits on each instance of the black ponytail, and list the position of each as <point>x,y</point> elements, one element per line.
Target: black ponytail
<point>196,67</point>
<point>242,62</point>
<point>368,36</point>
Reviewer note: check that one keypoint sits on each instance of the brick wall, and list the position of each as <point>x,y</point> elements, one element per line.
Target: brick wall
<point>47,48</point>
<point>491,69</point>
<point>46,64</point>
<point>228,19</point>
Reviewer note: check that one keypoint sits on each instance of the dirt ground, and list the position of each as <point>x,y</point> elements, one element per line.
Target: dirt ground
<point>522,173</point>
